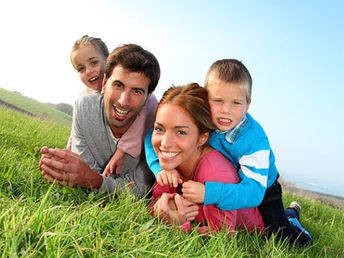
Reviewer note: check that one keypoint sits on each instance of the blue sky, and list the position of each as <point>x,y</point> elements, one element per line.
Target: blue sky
<point>294,51</point>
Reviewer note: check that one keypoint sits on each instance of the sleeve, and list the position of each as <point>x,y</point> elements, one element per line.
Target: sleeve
<point>132,140</point>
<point>69,142</point>
<point>79,142</point>
<point>151,157</point>
<point>254,167</point>
<point>138,179</point>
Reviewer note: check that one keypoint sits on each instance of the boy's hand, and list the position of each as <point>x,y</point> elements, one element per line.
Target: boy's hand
<point>115,161</point>
<point>169,178</point>
<point>193,191</point>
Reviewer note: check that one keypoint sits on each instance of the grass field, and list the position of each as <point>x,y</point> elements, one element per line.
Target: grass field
<point>34,107</point>
<point>39,219</point>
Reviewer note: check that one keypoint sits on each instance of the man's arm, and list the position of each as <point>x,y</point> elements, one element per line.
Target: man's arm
<point>89,132</point>
<point>67,168</point>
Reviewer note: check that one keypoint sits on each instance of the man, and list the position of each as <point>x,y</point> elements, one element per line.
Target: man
<point>99,121</point>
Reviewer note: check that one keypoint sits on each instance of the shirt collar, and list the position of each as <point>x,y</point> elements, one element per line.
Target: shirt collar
<point>232,134</point>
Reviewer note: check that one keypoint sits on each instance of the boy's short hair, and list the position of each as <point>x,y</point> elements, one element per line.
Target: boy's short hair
<point>232,71</point>
<point>135,59</point>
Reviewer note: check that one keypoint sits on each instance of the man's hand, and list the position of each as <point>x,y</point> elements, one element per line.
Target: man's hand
<point>169,178</point>
<point>193,191</point>
<point>67,168</point>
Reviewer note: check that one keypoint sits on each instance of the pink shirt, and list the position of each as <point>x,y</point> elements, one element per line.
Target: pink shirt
<point>213,166</point>
<point>131,141</point>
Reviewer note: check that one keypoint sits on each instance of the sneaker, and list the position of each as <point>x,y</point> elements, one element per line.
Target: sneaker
<point>296,206</point>
<point>302,236</point>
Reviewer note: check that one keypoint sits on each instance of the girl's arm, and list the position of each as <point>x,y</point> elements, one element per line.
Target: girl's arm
<point>131,141</point>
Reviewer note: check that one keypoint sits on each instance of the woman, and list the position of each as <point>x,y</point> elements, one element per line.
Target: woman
<point>180,140</point>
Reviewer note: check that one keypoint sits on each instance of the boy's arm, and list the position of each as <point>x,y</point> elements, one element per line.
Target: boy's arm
<point>131,141</point>
<point>253,171</point>
<point>151,157</point>
<point>248,193</point>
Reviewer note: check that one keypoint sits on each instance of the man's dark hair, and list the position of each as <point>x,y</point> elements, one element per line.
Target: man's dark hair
<point>136,59</point>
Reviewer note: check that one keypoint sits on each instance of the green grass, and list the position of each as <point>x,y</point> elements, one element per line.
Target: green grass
<point>39,219</point>
<point>38,109</point>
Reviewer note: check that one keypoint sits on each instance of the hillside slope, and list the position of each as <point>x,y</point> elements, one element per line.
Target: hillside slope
<point>32,107</point>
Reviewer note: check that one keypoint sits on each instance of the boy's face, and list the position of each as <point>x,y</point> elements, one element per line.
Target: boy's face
<point>90,65</point>
<point>228,102</point>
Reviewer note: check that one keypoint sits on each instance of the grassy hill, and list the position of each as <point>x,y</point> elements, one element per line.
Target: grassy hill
<point>32,107</point>
<point>39,219</point>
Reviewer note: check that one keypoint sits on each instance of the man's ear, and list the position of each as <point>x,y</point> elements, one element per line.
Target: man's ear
<point>104,84</point>
<point>203,139</point>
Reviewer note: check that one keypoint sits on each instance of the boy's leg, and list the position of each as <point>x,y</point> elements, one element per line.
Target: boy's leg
<point>272,211</point>
<point>276,220</point>
<point>293,211</point>
<point>301,235</point>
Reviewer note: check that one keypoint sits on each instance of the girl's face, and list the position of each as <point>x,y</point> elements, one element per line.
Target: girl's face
<point>90,65</point>
<point>227,101</point>
<point>176,139</point>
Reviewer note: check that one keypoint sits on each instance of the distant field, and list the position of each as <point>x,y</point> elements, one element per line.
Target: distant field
<point>32,107</point>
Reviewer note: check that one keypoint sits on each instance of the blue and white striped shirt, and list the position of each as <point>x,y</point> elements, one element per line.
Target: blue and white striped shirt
<point>248,148</point>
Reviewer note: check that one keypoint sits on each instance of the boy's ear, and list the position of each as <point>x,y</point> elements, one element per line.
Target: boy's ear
<point>248,106</point>
<point>103,84</point>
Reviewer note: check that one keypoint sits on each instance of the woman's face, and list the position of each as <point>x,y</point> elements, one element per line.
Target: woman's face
<point>176,138</point>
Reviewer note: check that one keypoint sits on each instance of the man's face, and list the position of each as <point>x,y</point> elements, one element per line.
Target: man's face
<point>125,93</point>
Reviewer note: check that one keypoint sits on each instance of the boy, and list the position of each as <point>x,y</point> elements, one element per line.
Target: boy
<point>243,141</point>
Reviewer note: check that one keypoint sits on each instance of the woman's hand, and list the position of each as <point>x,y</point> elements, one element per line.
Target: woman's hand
<point>191,209</point>
<point>169,178</point>
<point>171,208</point>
